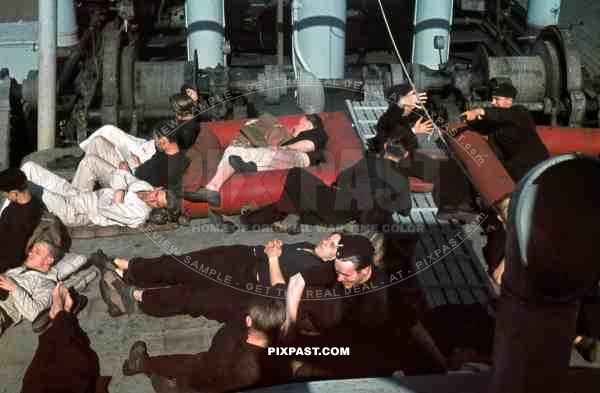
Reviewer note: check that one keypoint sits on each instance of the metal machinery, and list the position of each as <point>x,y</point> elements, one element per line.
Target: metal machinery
<point>132,55</point>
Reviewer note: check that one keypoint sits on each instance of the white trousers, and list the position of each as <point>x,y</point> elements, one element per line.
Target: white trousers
<point>100,161</point>
<point>268,158</point>
<point>121,140</point>
<point>71,205</point>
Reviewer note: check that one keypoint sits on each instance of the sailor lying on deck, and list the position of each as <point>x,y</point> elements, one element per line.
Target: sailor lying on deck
<point>165,168</point>
<point>237,358</point>
<point>128,202</point>
<point>376,183</point>
<point>216,282</point>
<point>303,150</point>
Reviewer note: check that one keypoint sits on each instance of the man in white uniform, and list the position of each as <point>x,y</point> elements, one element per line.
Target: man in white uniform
<point>128,201</point>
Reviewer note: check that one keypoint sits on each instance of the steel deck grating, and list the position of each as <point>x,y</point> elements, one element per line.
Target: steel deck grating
<point>457,275</point>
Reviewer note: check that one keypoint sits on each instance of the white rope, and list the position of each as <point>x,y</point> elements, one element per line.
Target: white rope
<point>410,81</point>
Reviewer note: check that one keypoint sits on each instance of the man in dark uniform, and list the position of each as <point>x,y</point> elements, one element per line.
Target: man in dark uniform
<point>216,282</point>
<point>237,358</point>
<point>19,219</point>
<point>358,312</point>
<point>369,191</point>
<point>511,131</point>
<point>512,136</point>
<point>64,360</point>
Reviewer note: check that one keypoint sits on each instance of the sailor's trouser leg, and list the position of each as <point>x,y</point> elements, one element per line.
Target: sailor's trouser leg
<point>48,180</point>
<point>268,158</point>
<point>264,158</point>
<point>92,169</point>
<point>101,147</point>
<point>72,210</point>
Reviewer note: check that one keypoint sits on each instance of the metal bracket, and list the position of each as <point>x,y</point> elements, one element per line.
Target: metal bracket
<point>578,104</point>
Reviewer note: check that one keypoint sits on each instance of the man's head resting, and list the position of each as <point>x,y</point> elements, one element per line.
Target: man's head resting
<point>42,255</point>
<point>12,183</point>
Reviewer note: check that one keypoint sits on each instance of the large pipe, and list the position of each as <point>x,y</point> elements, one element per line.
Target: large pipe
<point>319,37</point>
<point>551,262</point>
<point>542,13</point>
<point>67,24</point>
<point>432,21</point>
<point>280,32</point>
<point>47,74</point>
<point>205,21</point>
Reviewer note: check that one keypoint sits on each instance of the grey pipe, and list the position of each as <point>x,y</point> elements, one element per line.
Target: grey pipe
<point>47,74</point>
<point>280,32</point>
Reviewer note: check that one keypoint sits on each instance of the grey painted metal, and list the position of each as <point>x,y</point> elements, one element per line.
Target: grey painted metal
<point>19,48</point>
<point>433,18</point>
<point>582,17</point>
<point>542,13</point>
<point>319,38</point>
<point>280,29</point>
<point>67,24</point>
<point>47,75</point>
<point>205,22</point>
<point>527,73</point>
<point>449,383</point>
<point>157,81</point>
<point>110,72</point>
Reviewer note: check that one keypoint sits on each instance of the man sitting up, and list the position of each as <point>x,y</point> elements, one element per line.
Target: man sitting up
<point>26,291</point>
<point>400,118</point>
<point>237,358</point>
<point>128,201</point>
<point>369,191</point>
<point>216,282</point>
<point>304,149</point>
<point>512,135</point>
<point>19,219</point>
<point>188,120</point>
<point>164,169</point>
<point>64,360</point>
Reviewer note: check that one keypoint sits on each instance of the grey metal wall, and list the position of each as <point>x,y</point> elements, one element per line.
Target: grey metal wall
<point>587,35</point>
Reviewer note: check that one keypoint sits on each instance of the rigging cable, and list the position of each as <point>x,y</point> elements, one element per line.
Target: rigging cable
<point>410,81</point>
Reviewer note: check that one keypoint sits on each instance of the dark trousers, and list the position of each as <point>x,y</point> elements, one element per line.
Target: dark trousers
<point>64,361</point>
<point>179,367</point>
<point>318,204</point>
<point>588,318</point>
<point>210,282</point>
<point>494,249</point>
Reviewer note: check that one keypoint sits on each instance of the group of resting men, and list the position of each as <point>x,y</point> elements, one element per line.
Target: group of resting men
<point>331,294</point>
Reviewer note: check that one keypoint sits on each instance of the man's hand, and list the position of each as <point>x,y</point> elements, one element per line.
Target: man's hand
<point>273,249</point>
<point>119,196</point>
<point>57,300</point>
<point>7,284</point>
<point>294,295</point>
<point>124,166</point>
<point>423,126</point>
<point>135,159</point>
<point>499,272</point>
<point>413,99</point>
<point>473,114</point>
